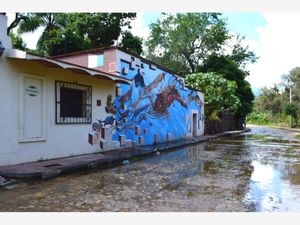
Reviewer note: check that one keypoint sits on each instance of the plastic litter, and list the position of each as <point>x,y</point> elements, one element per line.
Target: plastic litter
<point>125,162</point>
<point>8,182</point>
<point>2,180</point>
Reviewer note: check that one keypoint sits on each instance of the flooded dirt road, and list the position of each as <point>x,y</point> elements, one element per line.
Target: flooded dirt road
<point>254,171</point>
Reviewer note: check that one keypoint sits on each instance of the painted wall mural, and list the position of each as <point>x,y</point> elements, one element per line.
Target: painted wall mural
<point>155,108</point>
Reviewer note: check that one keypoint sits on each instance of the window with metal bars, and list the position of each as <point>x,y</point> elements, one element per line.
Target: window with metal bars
<point>73,103</point>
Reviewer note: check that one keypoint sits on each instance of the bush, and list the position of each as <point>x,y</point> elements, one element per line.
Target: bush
<point>292,110</point>
<point>262,118</point>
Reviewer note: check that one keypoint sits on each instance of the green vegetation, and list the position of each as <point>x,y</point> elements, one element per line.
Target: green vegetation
<point>266,118</point>
<point>69,32</point>
<point>17,41</point>
<point>273,107</point>
<point>220,92</point>
<point>185,39</point>
<point>292,110</point>
<point>228,66</point>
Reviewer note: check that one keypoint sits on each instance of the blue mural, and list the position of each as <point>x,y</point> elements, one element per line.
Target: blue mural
<point>154,108</point>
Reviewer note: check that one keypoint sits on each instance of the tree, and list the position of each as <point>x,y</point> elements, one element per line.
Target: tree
<point>292,78</point>
<point>219,92</point>
<point>51,23</point>
<point>292,110</point>
<point>230,70</point>
<point>187,38</point>
<point>18,18</point>
<point>63,41</point>
<point>292,81</point>
<point>275,100</point>
<point>239,54</point>
<point>131,43</point>
<point>101,29</point>
<point>269,100</point>
<point>17,41</point>
<point>68,32</point>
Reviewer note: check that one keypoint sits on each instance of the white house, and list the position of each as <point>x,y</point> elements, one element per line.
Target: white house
<point>36,120</point>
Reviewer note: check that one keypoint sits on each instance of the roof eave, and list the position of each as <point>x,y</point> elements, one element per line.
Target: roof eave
<point>18,54</point>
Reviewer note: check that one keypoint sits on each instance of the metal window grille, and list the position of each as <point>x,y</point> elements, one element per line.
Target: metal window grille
<point>73,103</point>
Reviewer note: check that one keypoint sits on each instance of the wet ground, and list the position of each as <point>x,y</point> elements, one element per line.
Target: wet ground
<point>254,171</point>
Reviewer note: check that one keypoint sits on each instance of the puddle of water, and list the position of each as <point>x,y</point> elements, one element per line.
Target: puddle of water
<point>271,191</point>
<point>256,171</point>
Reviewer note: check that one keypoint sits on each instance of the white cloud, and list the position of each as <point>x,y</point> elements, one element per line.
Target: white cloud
<point>30,39</point>
<point>229,44</point>
<point>278,49</point>
<point>139,28</point>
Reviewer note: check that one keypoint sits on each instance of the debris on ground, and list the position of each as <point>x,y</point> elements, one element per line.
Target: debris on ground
<point>125,162</point>
<point>2,180</point>
<point>5,182</point>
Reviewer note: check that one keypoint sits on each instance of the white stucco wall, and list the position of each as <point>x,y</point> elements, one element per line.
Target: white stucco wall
<point>61,140</point>
<point>6,42</point>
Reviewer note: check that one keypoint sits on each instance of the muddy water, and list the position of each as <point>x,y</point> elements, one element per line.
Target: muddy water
<point>255,171</point>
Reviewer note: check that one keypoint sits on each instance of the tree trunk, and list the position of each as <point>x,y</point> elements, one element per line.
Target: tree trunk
<point>191,64</point>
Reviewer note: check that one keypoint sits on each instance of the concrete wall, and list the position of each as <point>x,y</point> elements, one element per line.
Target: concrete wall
<point>226,122</point>
<point>3,32</point>
<point>157,107</point>
<point>82,60</point>
<point>61,140</point>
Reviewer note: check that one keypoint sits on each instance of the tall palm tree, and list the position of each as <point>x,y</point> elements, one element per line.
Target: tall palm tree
<point>51,22</point>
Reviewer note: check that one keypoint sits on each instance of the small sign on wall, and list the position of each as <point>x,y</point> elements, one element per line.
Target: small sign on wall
<point>32,90</point>
<point>98,102</point>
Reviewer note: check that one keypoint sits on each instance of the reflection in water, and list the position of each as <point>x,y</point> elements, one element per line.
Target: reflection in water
<point>276,171</point>
<point>256,171</point>
<point>265,186</point>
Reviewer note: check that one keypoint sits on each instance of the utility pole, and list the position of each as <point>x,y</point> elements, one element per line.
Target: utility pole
<point>290,102</point>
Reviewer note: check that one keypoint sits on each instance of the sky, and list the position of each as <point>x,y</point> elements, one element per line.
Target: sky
<point>274,37</point>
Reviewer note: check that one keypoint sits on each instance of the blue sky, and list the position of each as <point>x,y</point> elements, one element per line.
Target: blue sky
<point>150,17</point>
<point>245,23</point>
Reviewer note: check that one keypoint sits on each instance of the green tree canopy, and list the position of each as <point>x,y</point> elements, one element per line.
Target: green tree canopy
<point>270,100</point>
<point>187,38</point>
<point>292,80</point>
<point>17,41</point>
<point>219,92</point>
<point>131,43</point>
<point>292,110</point>
<point>230,70</point>
<point>68,32</point>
